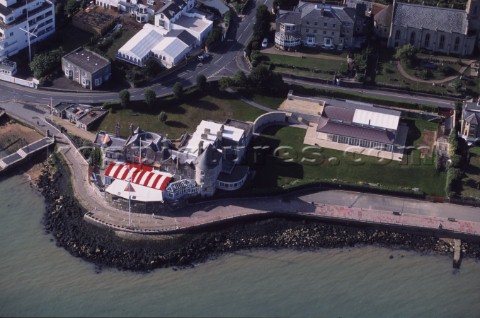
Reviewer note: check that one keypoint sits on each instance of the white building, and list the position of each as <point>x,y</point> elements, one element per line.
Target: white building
<point>14,15</point>
<point>139,48</point>
<point>176,32</point>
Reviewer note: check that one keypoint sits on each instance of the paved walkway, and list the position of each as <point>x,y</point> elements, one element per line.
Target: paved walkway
<point>337,204</point>
<point>445,80</point>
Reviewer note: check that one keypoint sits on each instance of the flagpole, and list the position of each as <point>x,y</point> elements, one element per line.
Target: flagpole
<point>129,198</point>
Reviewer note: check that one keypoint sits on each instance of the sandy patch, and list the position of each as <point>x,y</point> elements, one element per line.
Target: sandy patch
<point>14,136</point>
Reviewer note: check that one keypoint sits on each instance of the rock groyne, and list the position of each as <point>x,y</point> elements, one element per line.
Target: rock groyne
<point>64,221</point>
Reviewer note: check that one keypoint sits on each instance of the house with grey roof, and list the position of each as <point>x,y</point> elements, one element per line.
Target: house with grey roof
<point>470,128</point>
<point>436,29</point>
<point>310,24</point>
<point>363,128</point>
<point>87,68</point>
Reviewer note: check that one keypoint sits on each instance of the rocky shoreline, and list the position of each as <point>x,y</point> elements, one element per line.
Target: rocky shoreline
<point>63,219</point>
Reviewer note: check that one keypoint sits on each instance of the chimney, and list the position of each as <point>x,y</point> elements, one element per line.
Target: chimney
<point>200,147</point>
<point>207,131</point>
<point>204,136</point>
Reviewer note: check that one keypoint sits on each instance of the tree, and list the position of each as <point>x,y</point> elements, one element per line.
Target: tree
<point>162,117</point>
<point>151,68</point>
<point>178,90</point>
<point>407,54</point>
<point>71,7</point>
<point>150,97</point>
<point>264,79</point>
<point>262,21</point>
<point>213,38</point>
<point>224,83</point>
<point>240,79</point>
<point>201,82</point>
<point>124,98</point>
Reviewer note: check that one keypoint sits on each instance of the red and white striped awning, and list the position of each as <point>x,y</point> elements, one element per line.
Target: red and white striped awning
<point>139,174</point>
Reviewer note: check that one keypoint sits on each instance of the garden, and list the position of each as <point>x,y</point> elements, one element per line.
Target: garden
<point>297,164</point>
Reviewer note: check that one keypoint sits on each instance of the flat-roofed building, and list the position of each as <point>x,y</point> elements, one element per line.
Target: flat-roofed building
<point>87,68</point>
<point>362,128</point>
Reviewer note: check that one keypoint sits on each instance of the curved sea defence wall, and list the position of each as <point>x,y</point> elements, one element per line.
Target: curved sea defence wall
<point>64,220</point>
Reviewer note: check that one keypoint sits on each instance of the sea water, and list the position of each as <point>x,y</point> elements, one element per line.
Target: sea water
<point>39,279</point>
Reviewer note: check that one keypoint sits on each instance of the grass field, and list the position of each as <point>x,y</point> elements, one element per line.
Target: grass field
<point>290,167</point>
<point>308,62</point>
<point>182,116</point>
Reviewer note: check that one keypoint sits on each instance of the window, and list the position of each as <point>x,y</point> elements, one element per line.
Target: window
<point>397,35</point>
<point>334,25</point>
<point>314,31</point>
<point>333,33</point>
<point>307,30</point>
<point>315,23</point>
<point>457,43</point>
<point>98,81</point>
<point>308,22</point>
<point>442,42</point>
<point>324,32</point>
<point>412,38</point>
<point>427,40</point>
<point>325,24</point>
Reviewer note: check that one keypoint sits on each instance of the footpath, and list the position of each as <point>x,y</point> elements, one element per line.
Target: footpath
<point>312,205</point>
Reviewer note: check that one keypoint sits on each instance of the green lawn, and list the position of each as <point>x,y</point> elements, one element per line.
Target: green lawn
<point>269,101</point>
<point>182,116</point>
<point>277,172</point>
<point>308,62</point>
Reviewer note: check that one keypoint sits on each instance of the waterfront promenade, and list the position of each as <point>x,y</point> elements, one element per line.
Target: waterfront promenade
<point>326,205</point>
<point>212,212</point>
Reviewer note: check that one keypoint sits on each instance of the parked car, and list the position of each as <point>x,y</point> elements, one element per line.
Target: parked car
<point>265,43</point>
<point>203,57</point>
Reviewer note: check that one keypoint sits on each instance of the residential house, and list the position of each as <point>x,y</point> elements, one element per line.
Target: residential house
<point>470,123</point>
<point>83,116</point>
<point>8,67</point>
<point>142,10</point>
<point>87,68</point>
<point>18,17</point>
<point>171,12</point>
<point>329,27</point>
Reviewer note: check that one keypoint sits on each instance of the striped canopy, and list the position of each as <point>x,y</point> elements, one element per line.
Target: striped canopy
<point>139,174</point>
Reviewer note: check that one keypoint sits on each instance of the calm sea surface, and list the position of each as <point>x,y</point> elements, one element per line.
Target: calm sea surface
<point>39,279</point>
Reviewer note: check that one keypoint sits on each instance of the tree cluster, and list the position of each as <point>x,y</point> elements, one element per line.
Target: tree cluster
<point>261,79</point>
<point>406,54</point>
<point>455,172</point>
<point>213,39</point>
<point>44,63</point>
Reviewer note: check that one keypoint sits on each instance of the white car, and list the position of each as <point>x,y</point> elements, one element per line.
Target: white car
<point>265,43</point>
<point>203,57</point>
